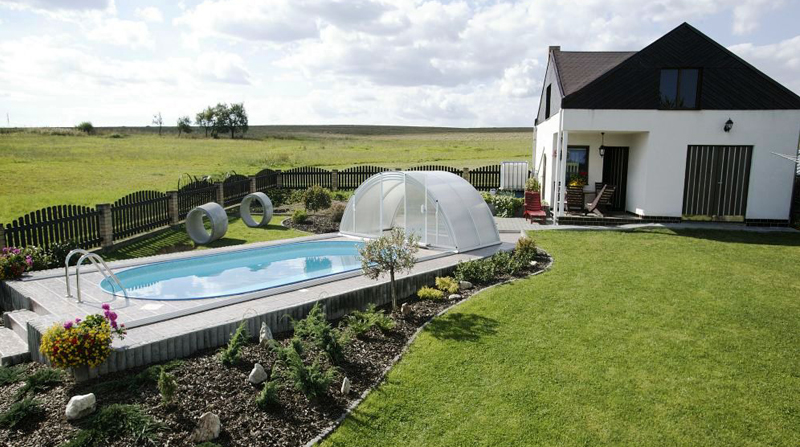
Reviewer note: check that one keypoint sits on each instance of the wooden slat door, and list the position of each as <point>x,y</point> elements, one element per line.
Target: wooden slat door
<point>716,182</point>
<point>615,172</point>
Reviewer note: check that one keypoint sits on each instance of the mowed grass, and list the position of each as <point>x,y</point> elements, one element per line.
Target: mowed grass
<point>177,240</point>
<point>40,170</point>
<point>650,338</point>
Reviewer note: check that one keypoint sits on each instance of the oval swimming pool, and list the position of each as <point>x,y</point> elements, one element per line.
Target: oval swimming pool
<point>237,272</point>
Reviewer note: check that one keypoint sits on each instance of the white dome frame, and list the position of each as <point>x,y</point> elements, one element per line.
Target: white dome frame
<point>451,214</point>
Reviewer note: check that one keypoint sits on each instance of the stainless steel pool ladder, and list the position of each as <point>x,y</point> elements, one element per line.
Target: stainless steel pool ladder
<point>98,263</point>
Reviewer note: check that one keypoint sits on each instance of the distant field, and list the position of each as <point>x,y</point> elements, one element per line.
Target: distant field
<point>47,167</point>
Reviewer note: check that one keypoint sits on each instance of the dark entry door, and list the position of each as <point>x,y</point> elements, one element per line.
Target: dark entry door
<point>716,182</point>
<point>615,172</point>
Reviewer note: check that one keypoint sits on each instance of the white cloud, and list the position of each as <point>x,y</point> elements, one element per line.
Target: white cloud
<point>522,80</point>
<point>118,32</point>
<point>746,14</point>
<point>781,60</point>
<point>222,67</point>
<point>63,5</point>
<point>149,14</point>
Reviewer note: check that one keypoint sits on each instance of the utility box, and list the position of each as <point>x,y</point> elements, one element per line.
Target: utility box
<point>513,175</point>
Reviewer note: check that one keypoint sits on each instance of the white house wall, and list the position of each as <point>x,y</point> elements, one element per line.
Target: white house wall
<point>546,134</point>
<point>662,169</point>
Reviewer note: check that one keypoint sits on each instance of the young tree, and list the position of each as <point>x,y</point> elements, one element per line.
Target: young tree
<point>391,253</point>
<point>237,119</point>
<point>158,121</point>
<point>184,125</point>
<point>221,120</point>
<point>205,119</point>
<point>85,126</point>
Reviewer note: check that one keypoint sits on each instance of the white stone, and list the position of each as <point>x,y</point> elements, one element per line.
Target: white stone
<point>81,406</point>
<point>454,296</point>
<point>405,309</point>
<point>208,427</point>
<point>464,285</point>
<point>265,334</point>
<point>346,386</point>
<point>534,263</point>
<point>257,375</point>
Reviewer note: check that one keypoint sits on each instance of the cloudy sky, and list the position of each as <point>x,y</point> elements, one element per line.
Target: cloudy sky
<point>416,62</point>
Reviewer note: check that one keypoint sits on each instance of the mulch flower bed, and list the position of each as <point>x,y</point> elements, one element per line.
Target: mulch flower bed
<point>318,224</point>
<point>204,384</point>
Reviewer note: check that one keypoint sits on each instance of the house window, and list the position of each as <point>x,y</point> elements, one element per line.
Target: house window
<point>577,166</point>
<point>547,103</point>
<point>679,88</point>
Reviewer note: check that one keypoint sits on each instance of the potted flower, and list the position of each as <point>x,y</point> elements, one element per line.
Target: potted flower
<point>14,262</point>
<point>532,191</point>
<point>83,343</point>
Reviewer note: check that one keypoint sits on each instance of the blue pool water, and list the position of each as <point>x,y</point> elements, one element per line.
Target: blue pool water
<point>237,272</point>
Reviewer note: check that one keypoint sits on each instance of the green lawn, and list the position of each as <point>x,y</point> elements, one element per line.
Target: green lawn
<point>176,239</point>
<point>40,170</point>
<point>640,339</point>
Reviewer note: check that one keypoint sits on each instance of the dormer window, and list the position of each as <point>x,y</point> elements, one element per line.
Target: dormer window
<point>679,88</point>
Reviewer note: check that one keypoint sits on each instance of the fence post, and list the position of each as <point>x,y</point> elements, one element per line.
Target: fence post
<point>2,236</point>
<point>220,193</point>
<point>106,226</point>
<point>334,180</point>
<point>279,179</point>
<point>465,174</point>
<point>172,207</point>
<point>253,187</point>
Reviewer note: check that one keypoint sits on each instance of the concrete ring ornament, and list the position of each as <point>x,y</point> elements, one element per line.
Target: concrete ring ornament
<point>266,213</point>
<point>215,214</point>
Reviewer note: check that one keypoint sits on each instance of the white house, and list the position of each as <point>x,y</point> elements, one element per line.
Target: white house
<point>684,129</point>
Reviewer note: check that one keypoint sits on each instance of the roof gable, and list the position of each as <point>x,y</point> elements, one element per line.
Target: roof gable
<point>727,81</point>
<point>579,68</point>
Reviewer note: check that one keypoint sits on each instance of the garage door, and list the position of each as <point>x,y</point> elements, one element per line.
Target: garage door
<point>716,182</point>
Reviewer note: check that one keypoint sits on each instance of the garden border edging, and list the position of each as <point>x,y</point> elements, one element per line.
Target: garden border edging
<point>338,422</point>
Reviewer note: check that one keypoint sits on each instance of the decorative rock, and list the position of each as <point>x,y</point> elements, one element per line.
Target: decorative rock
<point>258,374</point>
<point>208,427</point>
<point>81,406</point>
<point>265,334</point>
<point>534,263</point>
<point>346,386</point>
<point>454,296</point>
<point>405,309</point>
<point>464,285</point>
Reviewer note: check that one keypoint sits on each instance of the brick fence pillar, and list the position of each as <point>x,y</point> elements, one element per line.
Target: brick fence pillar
<point>220,193</point>
<point>172,207</point>
<point>2,236</point>
<point>334,180</point>
<point>465,174</point>
<point>279,179</point>
<point>253,187</point>
<point>106,226</point>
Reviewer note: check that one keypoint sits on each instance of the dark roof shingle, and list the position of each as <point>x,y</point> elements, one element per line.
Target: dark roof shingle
<point>578,68</point>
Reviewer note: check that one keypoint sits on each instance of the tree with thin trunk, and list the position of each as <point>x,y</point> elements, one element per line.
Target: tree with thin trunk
<point>237,119</point>
<point>184,125</point>
<point>391,253</point>
<point>158,121</point>
<point>205,119</point>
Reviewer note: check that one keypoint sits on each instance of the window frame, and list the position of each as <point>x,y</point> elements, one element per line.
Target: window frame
<point>588,156</point>
<point>547,96</point>
<point>697,96</point>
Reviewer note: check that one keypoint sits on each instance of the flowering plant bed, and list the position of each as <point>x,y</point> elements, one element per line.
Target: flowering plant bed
<point>83,342</point>
<point>14,262</point>
<point>205,384</point>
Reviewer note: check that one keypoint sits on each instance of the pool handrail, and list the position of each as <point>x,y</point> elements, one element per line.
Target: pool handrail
<point>98,264</point>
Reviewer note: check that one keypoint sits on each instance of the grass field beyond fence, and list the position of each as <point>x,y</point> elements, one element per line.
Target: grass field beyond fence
<point>40,169</point>
<point>650,338</point>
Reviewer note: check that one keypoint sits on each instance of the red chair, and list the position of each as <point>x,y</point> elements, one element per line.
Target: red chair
<point>533,207</point>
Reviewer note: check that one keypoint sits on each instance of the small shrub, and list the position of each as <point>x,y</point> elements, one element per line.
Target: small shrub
<point>447,284</point>
<point>389,254</point>
<point>311,380</point>
<point>299,216</point>
<point>316,198</point>
<point>167,386</point>
<point>14,262</point>
<point>21,411</point>
<point>115,422</point>
<point>504,263</point>
<point>479,271</point>
<point>429,293</point>
<point>336,212</point>
<point>86,127</point>
<point>10,374</point>
<point>342,196</point>
<point>268,397</point>
<point>230,355</point>
<point>39,381</point>
<point>532,184</point>
<point>316,329</point>
<point>525,250</point>
<point>137,381</point>
<point>505,204</point>
<point>116,135</point>
<point>360,322</point>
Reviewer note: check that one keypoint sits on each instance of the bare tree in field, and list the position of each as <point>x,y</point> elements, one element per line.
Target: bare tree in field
<point>158,121</point>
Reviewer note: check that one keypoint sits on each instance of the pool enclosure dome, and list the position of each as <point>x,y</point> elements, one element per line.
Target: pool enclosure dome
<point>443,209</point>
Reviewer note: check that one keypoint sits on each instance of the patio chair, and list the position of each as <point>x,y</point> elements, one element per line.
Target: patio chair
<point>575,198</point>
<point>602,201</point>
<point>533,207</point>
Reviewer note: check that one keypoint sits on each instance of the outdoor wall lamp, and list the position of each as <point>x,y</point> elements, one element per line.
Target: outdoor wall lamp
<point>728,125</point>
<point>602,148</point>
